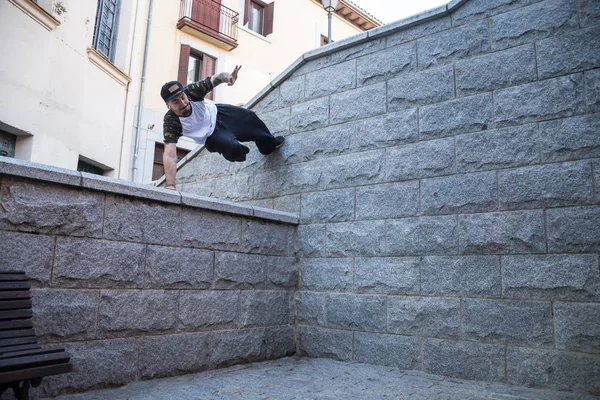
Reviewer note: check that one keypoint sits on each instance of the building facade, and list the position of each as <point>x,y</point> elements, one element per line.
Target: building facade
<point>66,80</point>
<point>85,93</point>
<point>203,37</point>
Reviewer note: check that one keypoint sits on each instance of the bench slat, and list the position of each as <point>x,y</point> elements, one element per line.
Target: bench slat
<point>33,361</point>
<point>15,285</point>
<point>15,314</point>
<point>5,350</point>
<point>21,357</point>
<point>15,294</point>
<point>17,333</point>
<point>32,373</point>
<point>16,324</point>
<point>4,276</point>
<point>31,352</point>
<point>17,341</point>
<point>15,304</point>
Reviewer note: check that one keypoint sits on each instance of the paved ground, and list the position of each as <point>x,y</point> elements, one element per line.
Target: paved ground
<point>319,379</point>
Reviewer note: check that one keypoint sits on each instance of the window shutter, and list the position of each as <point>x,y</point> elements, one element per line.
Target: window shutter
<point>246,11</point>
<point>208,69</point>
<point>268,28</point>
<point>214,14</point>
<point>196,10</point>
<point>184,59</point>
<point>207,13</point>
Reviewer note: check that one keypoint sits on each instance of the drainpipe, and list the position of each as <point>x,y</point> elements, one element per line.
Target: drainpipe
<point>140,102</point>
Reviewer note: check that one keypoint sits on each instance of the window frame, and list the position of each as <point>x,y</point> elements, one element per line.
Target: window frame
<point>199,61</point>
<point>261,7</point>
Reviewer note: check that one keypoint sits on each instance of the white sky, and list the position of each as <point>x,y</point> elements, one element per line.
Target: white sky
<point>393,10</point>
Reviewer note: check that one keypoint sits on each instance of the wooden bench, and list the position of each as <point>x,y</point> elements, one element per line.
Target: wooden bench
<point>23,362</point>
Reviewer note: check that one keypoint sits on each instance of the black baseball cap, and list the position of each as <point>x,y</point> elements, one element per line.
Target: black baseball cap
<point>170,90</point>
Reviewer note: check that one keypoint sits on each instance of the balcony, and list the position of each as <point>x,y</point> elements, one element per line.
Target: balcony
<point>211,21</point>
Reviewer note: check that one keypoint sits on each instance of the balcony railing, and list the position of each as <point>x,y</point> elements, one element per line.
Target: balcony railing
<point>209,20</point>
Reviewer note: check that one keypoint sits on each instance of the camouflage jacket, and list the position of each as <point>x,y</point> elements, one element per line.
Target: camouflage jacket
<point>196,91</point>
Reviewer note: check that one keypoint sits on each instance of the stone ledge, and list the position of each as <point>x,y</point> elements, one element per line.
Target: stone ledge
<point>454,4</point>
<point>260,95</point>
<point>300,61</point>
<point>46,173</point>
<point>269,213</point>
<point>117,186</point>
<point>42,172</point>
<point>215,204</point>
<point>109,68</point>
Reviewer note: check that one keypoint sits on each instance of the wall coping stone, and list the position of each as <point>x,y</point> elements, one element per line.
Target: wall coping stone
<point>198,201</point>
<point>47,173</point>
<point>116,186</point>
<point>287,72</point>
<point>408,22</point>
<point>281,216</point>
<point>42,172</point>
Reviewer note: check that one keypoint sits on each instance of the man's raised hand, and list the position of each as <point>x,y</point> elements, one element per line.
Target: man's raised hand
<point>234,75</point>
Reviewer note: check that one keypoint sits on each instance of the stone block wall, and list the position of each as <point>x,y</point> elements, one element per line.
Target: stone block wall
<point>138,283</point>
<point>446,171</point>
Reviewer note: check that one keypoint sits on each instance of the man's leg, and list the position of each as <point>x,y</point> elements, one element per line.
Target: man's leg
<point>247,127</point>
<point>224,142</point>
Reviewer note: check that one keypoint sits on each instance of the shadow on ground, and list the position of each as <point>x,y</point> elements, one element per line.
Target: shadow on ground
<point>322,379</point>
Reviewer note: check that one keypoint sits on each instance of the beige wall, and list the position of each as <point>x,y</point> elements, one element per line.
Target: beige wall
<point>63,105</point>
<point>298,25</point>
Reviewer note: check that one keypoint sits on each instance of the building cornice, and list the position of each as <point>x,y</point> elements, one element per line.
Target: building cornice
<point>37,13</point>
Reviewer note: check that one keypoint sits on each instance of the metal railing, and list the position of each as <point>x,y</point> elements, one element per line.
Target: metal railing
<point>212,15</point>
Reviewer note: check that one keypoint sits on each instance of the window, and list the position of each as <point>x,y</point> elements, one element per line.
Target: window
<point>157,169</point>
<point>255,20</point>
<point>91,166</point>
<point>194,66</point>
<point>87,167</point>
<point>105,32</point>
<point>8,143</point>
<point>194,69</point>
<point>259,16</point>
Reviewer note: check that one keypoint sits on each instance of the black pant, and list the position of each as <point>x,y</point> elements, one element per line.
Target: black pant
<point>235,125</point>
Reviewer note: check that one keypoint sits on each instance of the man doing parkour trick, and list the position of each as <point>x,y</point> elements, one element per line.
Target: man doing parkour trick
<point>220,127</point>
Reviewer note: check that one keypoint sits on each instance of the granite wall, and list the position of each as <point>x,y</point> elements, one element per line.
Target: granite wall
<point>446,172</point>
<point>138,283</point>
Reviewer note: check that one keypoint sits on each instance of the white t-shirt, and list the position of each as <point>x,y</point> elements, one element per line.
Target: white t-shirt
<point>201,122</point>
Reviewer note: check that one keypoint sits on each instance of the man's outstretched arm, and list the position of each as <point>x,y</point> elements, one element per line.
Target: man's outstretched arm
<point>201,88</point>
<point>170,164</point>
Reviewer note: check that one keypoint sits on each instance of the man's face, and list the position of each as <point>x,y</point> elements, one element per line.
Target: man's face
<point>179,104</point>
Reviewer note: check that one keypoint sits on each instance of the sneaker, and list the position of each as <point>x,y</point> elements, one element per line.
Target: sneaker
<point>279,141</point>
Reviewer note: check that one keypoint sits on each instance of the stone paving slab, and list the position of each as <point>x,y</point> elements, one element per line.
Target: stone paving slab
<point>319,379</point>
